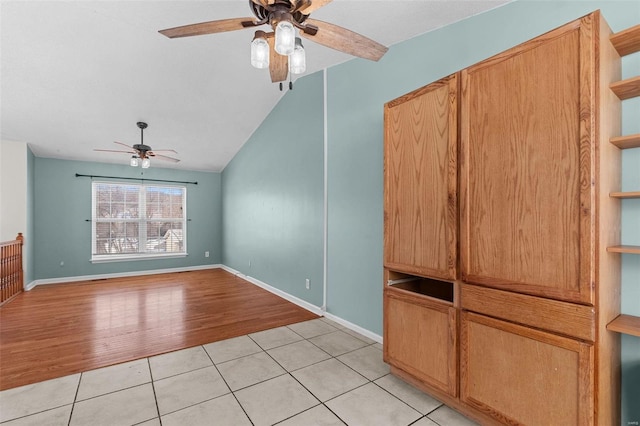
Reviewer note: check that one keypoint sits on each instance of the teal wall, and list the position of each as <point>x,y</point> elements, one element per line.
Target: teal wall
<point>356,92</point>
<point>63,204</point>
<point>273,197</point>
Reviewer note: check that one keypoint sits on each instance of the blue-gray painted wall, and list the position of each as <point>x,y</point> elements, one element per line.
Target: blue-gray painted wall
<point>62,204</point>
<point>273,197</point>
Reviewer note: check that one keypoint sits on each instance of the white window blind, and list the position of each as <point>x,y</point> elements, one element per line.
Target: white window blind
<point>137,221</point>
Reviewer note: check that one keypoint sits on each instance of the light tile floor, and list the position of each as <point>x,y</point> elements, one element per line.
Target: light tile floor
<point>311,373</point>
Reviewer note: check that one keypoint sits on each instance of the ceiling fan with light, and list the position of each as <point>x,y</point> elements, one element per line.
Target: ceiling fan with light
<point>281,50</point>
<point>141,152</point>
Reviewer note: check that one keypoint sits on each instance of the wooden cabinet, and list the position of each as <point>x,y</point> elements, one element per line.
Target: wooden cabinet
<point>534,286</point>
<point>421,333</point>
<point>421,207</point>
<point>527,141</point>
<point>420,238</point>
<point>520,375</point>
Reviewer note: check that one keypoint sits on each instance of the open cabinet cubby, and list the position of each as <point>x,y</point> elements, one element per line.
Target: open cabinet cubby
<point>441,290</point>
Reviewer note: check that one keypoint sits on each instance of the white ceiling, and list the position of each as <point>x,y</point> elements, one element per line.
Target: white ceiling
<point>78,75</point>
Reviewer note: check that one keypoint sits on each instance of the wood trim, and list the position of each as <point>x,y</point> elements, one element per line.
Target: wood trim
<point>626,89</point>
<point>633,194</point>
<point>569,319</point>
<point>624,249</point>
<point>627,41</point>
<point>626,324</point>
<point>626,142</point>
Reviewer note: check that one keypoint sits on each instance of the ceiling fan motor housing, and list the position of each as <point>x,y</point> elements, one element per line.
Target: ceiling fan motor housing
<point>280,10</point>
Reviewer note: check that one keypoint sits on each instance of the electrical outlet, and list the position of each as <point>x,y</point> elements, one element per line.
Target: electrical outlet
<point>306,283</point>
<point>206,254</point>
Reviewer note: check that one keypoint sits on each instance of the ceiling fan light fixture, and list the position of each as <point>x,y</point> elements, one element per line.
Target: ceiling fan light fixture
<point>298,60</point>
<point>134,161</point>
<point>146,163</point>
<point>285,38</point>
<point>260,51</point>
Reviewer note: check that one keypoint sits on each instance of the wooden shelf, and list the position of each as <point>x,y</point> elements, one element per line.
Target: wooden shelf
<point>626,89</point>
<point>628,41</point>
<point>624,249</point>
<point>626,142</point>
<point>627,324</point>
<point>634,194</point>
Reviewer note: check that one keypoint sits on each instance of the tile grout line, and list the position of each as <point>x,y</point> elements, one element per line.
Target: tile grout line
<point>75,398</point>
<point>153,388</point>
<point>227,384</point>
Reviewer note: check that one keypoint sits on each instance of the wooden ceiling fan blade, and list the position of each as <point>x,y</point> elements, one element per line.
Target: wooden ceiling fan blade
<point>312,6</point>
<point>164,157</point>
<point>278,64</point>
<point>113,150</point>
<point>165,150</point>
<point>211,27</point>
<point>264,3</point>
<point>129,147</point>
<point>345,40</point>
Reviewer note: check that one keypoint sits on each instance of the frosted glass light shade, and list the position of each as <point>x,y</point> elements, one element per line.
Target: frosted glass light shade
<point>134,161</point>
<point>297,60</point>
<point>285,38</point>
<point>146,163</point>
<point>260,53</point>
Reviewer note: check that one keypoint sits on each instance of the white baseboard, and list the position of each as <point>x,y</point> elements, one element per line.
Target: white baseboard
<point>306,305</point>
<point>60,280</point>
<point>356,328</point>
<point>295,300</point>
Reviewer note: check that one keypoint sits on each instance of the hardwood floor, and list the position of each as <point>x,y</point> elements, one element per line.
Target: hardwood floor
<point>56,330</point>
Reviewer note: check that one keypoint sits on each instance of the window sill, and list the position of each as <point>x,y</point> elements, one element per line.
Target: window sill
<point>134,257</point>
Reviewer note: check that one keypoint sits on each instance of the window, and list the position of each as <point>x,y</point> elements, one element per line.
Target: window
<point>134,221</point>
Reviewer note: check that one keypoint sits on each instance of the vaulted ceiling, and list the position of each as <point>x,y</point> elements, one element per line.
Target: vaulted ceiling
<point>78,75</point>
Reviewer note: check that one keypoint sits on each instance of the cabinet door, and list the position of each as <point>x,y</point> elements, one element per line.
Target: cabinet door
<point>527,184</point>
<point>420,170</point>
<point>520,375</point>
<point>420,337</point>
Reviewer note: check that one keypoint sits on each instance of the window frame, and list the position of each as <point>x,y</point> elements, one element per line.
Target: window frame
<point>142,222</point>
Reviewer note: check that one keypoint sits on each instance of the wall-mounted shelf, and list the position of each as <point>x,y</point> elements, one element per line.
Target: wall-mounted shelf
<point>626,89</point>
<point>624,249</point>
<point>626,324</point>
<point>628,41</point>
<point>633,194</point>
<point>626,142</point>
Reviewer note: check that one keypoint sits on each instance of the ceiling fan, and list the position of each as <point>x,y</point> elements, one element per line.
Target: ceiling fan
<point>281,50</point>
<point>141,151</point>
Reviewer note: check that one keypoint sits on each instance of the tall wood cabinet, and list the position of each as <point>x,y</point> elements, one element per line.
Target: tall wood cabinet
<point>421,169</point>
<point>498,285</point>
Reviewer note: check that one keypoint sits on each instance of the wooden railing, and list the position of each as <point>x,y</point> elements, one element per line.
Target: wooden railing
<point>11,274</point>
